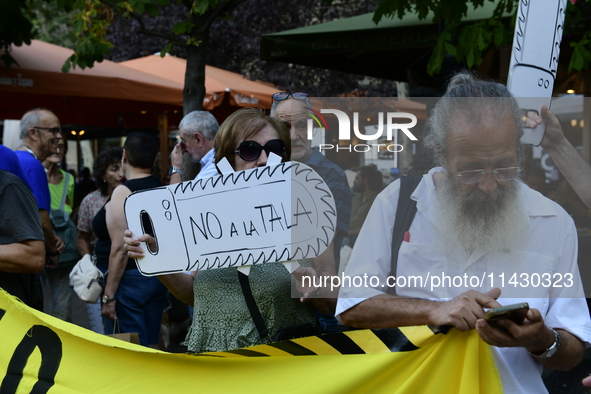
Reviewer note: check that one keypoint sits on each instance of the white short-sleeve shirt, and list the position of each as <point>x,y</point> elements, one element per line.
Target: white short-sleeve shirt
<point>547,258</point>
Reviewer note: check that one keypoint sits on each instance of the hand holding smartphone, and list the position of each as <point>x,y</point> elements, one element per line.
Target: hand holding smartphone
<point>514,312</point>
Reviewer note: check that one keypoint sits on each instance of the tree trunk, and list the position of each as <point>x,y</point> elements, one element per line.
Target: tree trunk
<point>194,90</point>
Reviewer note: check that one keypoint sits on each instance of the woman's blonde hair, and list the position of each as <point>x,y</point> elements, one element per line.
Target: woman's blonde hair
<point>242,125</point>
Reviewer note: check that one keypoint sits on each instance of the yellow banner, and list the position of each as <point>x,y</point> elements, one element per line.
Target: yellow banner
<point>41,354</point>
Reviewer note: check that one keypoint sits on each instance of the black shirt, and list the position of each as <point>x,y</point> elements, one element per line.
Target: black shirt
<point>99,223</point>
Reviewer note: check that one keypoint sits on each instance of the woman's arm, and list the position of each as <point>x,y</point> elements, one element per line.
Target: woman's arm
<point>116,224</point>
<point>83,242</point>
<point>180,285</point>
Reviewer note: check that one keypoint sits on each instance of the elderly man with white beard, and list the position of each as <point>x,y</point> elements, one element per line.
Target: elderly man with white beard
<point>476,220</point>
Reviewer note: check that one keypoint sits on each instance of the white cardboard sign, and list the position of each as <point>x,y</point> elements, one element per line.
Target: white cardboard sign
<point>534,57</point>
<point>274,213</point>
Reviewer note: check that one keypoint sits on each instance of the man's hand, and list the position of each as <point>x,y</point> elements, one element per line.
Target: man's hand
<point>133,245</point>
<point>108,310</point>
<point>553,134</point>
<point>307,291</point>
<point>465,310</point>
<point>59,244</point>
<point>176,156</point>
<point>52,261</point>
<point>532,334</point>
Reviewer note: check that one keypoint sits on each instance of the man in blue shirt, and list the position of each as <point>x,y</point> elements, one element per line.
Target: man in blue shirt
<point>40,132</point>
<point>9,162</point>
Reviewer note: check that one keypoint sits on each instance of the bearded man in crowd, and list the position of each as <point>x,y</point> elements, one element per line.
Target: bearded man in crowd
<point>475,218</point>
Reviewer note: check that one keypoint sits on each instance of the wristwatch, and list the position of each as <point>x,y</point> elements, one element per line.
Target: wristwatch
<point>106,299</point>
<point>552,349</point>
<point>174,170</point>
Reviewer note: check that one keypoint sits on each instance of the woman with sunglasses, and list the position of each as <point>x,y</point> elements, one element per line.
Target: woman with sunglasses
<point>221,319</point>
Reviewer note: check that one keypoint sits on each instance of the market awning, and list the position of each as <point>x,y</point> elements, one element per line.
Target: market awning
<point>390,49</point>
<point>107,94</point>
<point>219,83</point>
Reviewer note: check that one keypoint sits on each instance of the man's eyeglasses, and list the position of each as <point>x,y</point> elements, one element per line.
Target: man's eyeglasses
<point>251,150</point>
<point>500,174</point>
<point>54,130</point>
<point>285,95</point>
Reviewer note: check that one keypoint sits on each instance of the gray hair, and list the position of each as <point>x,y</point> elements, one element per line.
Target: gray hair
<point>496,103</point>
<point>30,120</point>
<point>200,121</point>
<point>306,101</point>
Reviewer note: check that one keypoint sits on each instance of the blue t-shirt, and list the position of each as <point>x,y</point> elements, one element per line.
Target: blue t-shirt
<point>9,162</point>
<point>36,178</point>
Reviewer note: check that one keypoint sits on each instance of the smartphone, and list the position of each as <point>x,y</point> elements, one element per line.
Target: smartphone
<point>514,312</point>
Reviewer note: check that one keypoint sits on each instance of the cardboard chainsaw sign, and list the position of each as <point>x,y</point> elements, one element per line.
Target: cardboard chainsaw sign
<point>534,58</point>
<point>274,213</point>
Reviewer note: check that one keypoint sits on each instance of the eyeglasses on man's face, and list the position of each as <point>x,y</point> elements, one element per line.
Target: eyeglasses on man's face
<point>281,96</point>
<point>500,174</point>
<point>54,130</point>
<point>251,150</point>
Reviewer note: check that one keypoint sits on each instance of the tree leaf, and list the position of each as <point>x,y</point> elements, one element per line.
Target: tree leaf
<point>576,61</point>
<point>585,53</point>
<point>499,35</point>
<point>470,58</point>
<point>200,6</point>
<point>450,49</point>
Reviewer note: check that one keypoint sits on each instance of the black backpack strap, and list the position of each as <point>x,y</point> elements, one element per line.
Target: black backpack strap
<point>253,308</point>
<point>405,213</point>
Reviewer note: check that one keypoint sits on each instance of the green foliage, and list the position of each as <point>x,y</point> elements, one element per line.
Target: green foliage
<point>168,48</point>
<point>183,28</point>
<point>465,42</point>
<point>15,28</point>
<point>581,57</point>
<point>83,25</point>
<point>201,6</point>
<point>92,18</point>
<point>52,22</point>
<point>468,42</point>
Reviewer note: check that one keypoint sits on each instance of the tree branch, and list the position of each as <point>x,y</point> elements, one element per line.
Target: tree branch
<point>169,36</point>
<point>221,8</point>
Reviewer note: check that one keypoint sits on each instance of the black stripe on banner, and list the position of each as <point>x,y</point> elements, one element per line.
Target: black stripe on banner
<point>247,353</point>
<point>440,329</point>
<point>395,340</point>
<point>206,355</point>
<point>292,348</point>
<point>2,312</point>
<point>342,343</point>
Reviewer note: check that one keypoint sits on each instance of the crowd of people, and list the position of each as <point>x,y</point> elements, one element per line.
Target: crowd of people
<point>474,215</point>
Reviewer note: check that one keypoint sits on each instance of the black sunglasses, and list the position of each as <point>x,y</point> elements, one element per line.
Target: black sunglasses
<point>285,95</point>
<point>251,150</point>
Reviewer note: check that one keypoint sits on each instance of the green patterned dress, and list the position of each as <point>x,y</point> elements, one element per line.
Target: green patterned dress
<point>221,320</point>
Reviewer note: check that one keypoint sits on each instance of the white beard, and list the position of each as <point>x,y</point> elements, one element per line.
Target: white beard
<point>477,221</point>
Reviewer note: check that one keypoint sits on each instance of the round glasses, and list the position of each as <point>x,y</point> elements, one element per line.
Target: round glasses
<point>251,150</point>
<point>53,130</point>
<point>500,174</point>
<point>285,95</point>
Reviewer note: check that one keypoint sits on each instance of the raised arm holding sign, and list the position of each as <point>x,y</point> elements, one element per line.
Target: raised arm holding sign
<point>255,217</point>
